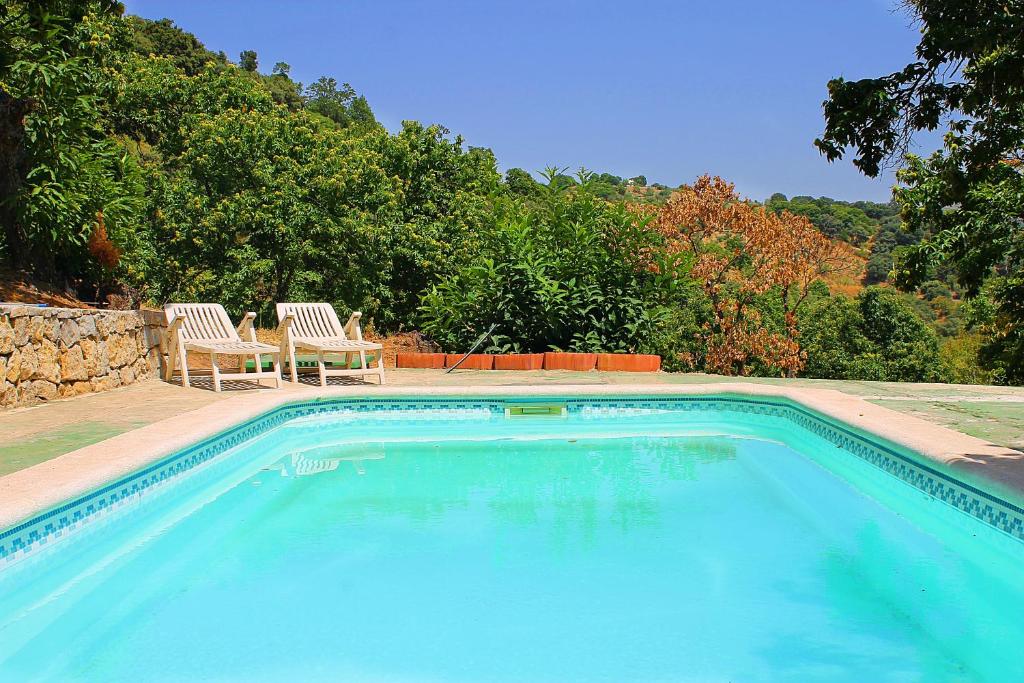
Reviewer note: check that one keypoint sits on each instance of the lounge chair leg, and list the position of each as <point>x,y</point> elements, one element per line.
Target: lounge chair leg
<point>380,366</point>
<point>277,370</point>
<point>183,363</point>
<point>168,369</point>
<point>216,372</point>
<point>362,364</point>
<point>323,368</point>
<point>291,363</point>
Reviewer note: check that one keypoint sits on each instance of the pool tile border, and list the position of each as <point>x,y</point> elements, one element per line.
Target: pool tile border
<point>23,539</point>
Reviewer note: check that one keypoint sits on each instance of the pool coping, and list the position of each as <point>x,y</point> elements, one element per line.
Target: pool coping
<point>34,490</point>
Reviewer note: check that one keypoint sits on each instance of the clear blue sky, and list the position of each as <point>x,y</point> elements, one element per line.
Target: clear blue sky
<point>667,89</point>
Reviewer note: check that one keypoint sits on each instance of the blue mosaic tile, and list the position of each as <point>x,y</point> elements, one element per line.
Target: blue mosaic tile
<point>22,539</point>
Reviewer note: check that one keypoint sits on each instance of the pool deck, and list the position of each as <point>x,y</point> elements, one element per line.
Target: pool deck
<point>57,450</point>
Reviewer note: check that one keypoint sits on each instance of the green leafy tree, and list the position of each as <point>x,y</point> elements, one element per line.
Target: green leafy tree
<point>842,220</point>
<point>58,170</point>
<point>967,197</point>
<point>163,39</point>
<point>877,336</point>
<point>521,183</point>
<point>445,199</point>
<point>340,104</point>
<point>268,207</point>
<point>248,61</point>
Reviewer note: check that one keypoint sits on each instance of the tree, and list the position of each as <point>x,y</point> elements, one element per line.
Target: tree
<point>163,39</point>
<point>282,69</point>
<point>877,336</point>
<point>248,61</point>
<point>58,170</point>
<point>744,255</point>
<point>269,206</point>
<point>968,77</point>
<point>340,104</point>
<point>520,182</point>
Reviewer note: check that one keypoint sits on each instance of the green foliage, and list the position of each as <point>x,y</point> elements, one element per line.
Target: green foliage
<point>58,169</point>
<point>851,222</point>
<point>248,61</point>
<point>266,207</point>
<point>521,183</point>
<point>959,358</point>
<point>878,336</point>
<point>163,39</point>
<point>966,77</point>
<point>339,104</point>
<point>574,273</point>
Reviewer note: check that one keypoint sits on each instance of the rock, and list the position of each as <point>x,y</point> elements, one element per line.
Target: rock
<point>69,333</point>
<point>106,383</point>
<point>8,394</point>
<point>29,363</point>
<point>97,362</point>
<point>102,326</point>
<point>127,374</point>
<point>87,326</point>
<point>39,389</point>
<point>129,349</point>
<point>6,336</point>
<point>72,365</point>
<point>82,388</point>
<point>48,362</point>
<point>142,368</point>
<point>122,323</point>
<point>51,329</point>
<point>141,344</point>
<point>13,367</point>
<point>37,329</point>
<point>20,330</point>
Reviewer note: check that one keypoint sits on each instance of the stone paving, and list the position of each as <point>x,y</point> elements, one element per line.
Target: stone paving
<point>39,433</point>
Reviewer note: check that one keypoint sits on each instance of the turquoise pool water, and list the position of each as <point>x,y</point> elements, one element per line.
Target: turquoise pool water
<point>466,546</point>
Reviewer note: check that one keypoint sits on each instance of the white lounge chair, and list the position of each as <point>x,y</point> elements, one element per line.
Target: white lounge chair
<point>207,328</point>
<point>316,328</point>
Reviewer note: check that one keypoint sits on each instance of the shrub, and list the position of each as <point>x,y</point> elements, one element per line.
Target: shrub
<point>959,358</point>
<point>574,273</point>
<point>878,336</point>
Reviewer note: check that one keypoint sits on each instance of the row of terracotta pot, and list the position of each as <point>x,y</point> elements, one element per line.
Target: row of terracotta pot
<point>628,362</point>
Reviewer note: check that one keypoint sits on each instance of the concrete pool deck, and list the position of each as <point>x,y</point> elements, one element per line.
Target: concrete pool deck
<point>58,450</point>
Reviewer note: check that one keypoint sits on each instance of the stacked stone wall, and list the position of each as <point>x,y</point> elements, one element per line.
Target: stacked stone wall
<point>51,353</point>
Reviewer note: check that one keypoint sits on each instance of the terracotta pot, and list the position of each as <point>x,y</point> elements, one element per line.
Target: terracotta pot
<point>519,361</point>
<point>570,361</point>
<point>434,361</point>
<point>476,361</point>
<point>628,362</point>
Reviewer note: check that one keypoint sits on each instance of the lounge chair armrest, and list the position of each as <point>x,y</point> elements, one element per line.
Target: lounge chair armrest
<point>173,330</point>
<point>352,329</point>
<point>286,322</point>
<point>246,326</point>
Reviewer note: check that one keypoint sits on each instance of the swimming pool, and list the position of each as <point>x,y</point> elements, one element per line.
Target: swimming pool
<point>571,539</point>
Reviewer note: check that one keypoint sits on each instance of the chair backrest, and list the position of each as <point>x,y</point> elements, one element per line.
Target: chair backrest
<point>203,322</point>
<point>312,321</point>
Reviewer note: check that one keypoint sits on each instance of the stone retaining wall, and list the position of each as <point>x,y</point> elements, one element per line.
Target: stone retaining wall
<point>49,353</point>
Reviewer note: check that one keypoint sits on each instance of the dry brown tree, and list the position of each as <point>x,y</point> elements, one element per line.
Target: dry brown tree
<point>742,253</point>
